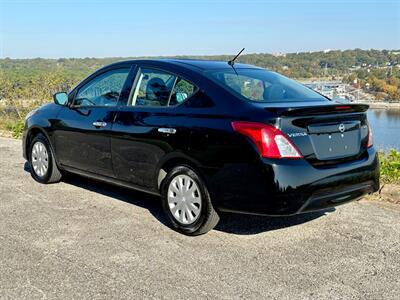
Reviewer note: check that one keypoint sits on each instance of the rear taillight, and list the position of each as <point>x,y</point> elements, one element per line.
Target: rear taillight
<point>270,141</point>
<point>370,138</point>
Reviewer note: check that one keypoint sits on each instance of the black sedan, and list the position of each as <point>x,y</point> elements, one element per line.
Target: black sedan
<point>207,137</point>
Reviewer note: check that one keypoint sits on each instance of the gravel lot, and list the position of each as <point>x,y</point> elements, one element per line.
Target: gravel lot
<point>86,240</point>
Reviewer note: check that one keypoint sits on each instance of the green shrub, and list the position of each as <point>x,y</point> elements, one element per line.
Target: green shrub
<point>16,128</point>
<point>390,166</point>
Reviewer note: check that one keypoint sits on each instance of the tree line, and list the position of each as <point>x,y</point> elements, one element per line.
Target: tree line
<point>374,70</point>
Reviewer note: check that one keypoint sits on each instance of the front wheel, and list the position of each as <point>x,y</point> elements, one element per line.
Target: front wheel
<point>187,203</point>
<point>43,165</point>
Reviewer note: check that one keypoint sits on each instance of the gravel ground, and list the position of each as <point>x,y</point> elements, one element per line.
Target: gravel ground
<point>87,240</point>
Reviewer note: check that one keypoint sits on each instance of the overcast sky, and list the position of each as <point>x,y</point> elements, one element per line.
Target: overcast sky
<point>51,28</point>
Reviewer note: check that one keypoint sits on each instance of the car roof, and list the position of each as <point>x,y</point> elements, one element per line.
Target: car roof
<point>193,64</point>
<point>207,64</point>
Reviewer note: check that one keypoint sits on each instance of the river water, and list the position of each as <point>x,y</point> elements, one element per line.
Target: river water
<point>385,127</point>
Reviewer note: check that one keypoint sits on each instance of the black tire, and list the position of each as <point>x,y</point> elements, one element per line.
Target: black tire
<point>53,174</point>
<point>208,217</point>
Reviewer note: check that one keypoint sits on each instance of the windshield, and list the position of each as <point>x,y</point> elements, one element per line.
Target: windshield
<point>263,86</point>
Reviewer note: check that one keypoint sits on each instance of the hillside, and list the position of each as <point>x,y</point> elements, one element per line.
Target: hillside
<point>375,70</point>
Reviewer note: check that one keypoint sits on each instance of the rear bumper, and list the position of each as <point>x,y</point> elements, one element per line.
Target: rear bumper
<point>333,197</point>
<point>288,187</point>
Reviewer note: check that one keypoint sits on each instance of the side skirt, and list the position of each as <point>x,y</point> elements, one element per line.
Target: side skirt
<point>109,180</point>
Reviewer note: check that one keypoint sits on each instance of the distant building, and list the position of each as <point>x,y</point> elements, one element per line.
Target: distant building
<point>353,68</point>
<point>339,90</point>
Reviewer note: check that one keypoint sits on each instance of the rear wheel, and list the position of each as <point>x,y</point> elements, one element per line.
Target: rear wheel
<point>186,202</point>
<point>43,166</point>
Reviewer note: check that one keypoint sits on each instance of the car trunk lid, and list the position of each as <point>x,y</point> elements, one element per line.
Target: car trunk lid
<point>332,140</point>
<point>324,132</point>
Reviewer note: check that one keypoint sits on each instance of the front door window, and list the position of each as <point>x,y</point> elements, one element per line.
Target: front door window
<point>103,90</point>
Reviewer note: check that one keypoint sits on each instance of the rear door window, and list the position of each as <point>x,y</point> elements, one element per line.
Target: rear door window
<point>159,88</point>
<point>182,90</point>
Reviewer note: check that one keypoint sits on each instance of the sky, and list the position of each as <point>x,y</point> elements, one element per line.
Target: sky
<point>54,29</point>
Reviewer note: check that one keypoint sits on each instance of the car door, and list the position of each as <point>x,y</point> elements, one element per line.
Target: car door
<point>150,125</point>
<point>82,133</point>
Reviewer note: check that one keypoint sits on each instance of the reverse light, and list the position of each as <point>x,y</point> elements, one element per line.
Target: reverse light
<point>370,137</point>
<point>270,141</point>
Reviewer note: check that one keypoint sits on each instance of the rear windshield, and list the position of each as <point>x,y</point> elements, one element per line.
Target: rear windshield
<point>263,86</point>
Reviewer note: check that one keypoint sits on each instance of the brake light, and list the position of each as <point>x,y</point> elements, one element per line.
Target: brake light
<point>342,107</point>
<point>370,138</point>
<point>270,141</point>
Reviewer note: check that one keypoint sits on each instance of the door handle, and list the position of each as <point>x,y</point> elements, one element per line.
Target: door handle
<point>167,130</point>
<point>99,124</point>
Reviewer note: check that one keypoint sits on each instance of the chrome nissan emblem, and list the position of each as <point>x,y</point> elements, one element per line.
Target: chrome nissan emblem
<point>342,127</point>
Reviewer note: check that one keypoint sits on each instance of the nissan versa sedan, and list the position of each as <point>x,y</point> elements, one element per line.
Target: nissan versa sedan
<point>207,137</point>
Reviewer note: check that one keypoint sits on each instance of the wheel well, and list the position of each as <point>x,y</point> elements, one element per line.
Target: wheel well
<point>168,165</point>
<point>31,135</point>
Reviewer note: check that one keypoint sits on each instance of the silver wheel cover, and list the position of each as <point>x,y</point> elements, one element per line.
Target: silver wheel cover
<point>39,159</point>
<point>184,199</point>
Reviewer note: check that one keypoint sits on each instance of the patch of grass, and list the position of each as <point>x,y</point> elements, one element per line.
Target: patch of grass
<point>11,124</point>
<point>16,128</point>
<point>390,166</point>
<point>12,118</point>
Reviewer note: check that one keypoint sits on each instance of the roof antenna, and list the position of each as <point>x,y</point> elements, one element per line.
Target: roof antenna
<point>232,61</point>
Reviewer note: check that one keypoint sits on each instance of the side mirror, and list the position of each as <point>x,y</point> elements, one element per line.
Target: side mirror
<point>60,98</point>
